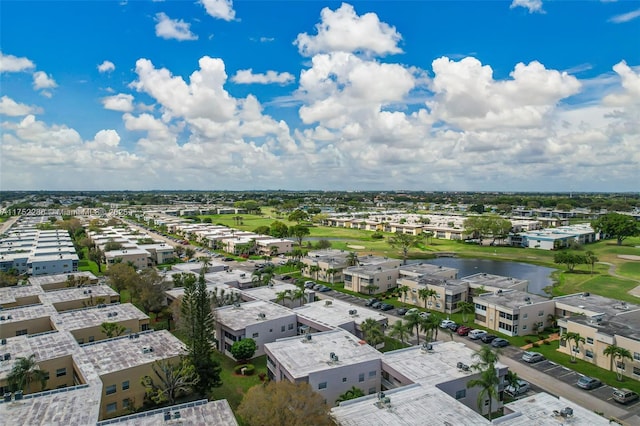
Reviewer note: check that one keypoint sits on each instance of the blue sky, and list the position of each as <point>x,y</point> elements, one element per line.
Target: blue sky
<point>529,95</point>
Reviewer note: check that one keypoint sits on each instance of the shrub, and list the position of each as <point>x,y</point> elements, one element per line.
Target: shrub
<point>546,342</point>
<point>249,369</point>
<point>262,376</point>
<point>535,345</point>
<point>528,341</point>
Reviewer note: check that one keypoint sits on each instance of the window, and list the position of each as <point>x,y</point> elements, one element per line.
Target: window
<point>636,356</point>
<point>144,327</point>
<point>540,313</point>
<point>125,385</point>
<point>588,353</point>
<point>111,389</point>
<point>21,332</point>
<point>61,372</point>
<point>322,385</point>
<point>461,394</point>
<point>372,373</point>
<point>620,365</point>
<point>80,341</point>
<point>524,327</point>
<point>525,316</point>
<point>255,335</point>
<point>91,338</point>
<point>112,408</point>
<point>344,379</point>
<point>126,403</point>
<point>636,371</point>
<point>361,377</point>
<point>282,329</point>
<point>590,340</point>
<point>290,327</point>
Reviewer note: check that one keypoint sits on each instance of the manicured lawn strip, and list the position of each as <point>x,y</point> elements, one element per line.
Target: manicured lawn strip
<point>89,265</point>
<point>604,285</point>
<point>235,386</point>
<point>630,269</point>
<point>391,344</point>
<point>586,368</point>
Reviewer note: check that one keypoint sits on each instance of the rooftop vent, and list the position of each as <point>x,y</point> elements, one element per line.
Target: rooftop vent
<point>262,315</point>
<point>18,395</point>
<point>353,311</point>
<point>3,341</point>
<point>462,366</point>
<point>307,336</point>
<point>327,302</point>
<point>6,357</point>
<point>7,397</point>
<point>147,350</point>
<point>427,347</point>
<point>527,299</point>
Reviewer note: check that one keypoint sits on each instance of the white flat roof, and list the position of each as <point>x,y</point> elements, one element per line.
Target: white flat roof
<point>412,405</point>
<point>432,367</point>
<point>539,409</point>
<point>124,352</point>
<point>300,356</point>
<point>60,278</point>
<point>94,316</point>
<point>23,313</point>
<point>269,292</point>
<point>238,318</point>
<point>10,294</point>
<point>78,293</point>
<point>336,313</point>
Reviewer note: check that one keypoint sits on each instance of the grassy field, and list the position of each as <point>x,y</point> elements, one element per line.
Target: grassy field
<point>234,386</point>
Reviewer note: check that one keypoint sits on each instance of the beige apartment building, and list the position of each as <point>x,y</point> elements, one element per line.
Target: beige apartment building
<point>140,259</point>
<point>325,265</point>
<point>25,320</point>
<point>513,312</point>
<point>372,276</point>
<point>54,282</point>
<point>67,299</point>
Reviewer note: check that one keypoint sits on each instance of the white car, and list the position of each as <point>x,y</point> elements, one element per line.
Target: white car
<point>522,388</point>
<point>446,323</point>
<point>476,334</point>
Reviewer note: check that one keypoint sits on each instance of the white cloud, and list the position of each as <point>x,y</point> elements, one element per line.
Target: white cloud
<point>629,93</point>
<point>625,17</point>
<point>343,30</point>
<point>221,9</point>
<point>177,29</point>
<point>106,66</point>
<point>120,102</point>
<point>248,77</point>
<point>266,39</point>
<point>532,5</point>
<point>10,63</point>
<point>43,81</point>
<point>12,108</point>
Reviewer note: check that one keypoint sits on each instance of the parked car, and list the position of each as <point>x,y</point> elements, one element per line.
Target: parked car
<point>317,287</point>
<point>309,284</point>
<point>286,277</point>
<point>376,305</point>
<point>228,259</point>
<point>532,357</point>
<point>424,314</point>
<point>413,311</point>
<point>488,338</point>
<point>324,288</point>
<point>370,302</point>
<point>586,382</point>
<point>453,327</point>
<point>446,323</point>
<point>624,396</point>
<point>463,330</point>
<point>401,311</point>
<point>386,307</point>
<point>499,343</point>
<point>521,388</point>
<point>476,334</point>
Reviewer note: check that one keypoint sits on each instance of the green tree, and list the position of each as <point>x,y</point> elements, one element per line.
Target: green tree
<point>466,308</point>
<point>262,230</point>
<point>352,393</point>
<point>404,289</point>
<point>243,350</point>
<point>426,294</point>
<point>198,326</point>
<point>189,252</point>
<point>404,242</point>
<point>96,255</point>
<point>284,403</point>
<point>371,288</point>
<point>150,291</point>
<point>122,276</point>
<point>281,296</point>
<point>414,320</point>
<point>400,330</point>
<point>112,246</point>
<point>574,339</point>
<point>616,225</point>
<point>488,380</point>
<point>299,232</point>
<point>352,259</point>
<point>279,230</point>
<point>568,258</point>
<point>618,355</point>
<point>298,216</point>
<point>591,259</point>
<point>183,279</point>
<point>172,379</point>
<point>26,371</point>
<point>372,331</point>
<point>112,329</point>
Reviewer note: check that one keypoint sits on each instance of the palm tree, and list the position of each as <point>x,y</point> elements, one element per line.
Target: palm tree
<point>173,380</point>
<point>574,337</point>
<point>330,274</point>
<point>400,330</point>
<point>426,294</point>
<point>466,308</point>
<point>352,393</point>
<point>24,372</point>
<point>430,326</point>
<point>352,259</point>
<point>616,353</point>
<point>414,321</point>
<point>281,296</point>
<point>487,356</point>
<point>405,289</point>
<point>591,259</point>
<point>297,294</point>
<point>512,380</point>
<point>371,288</point>
<point>313,270</point>
<point>112,329</point>
<point>372,331</point>
<point>488,382</point>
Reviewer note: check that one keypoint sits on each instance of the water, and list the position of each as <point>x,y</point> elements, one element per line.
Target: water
<point>539,277</point>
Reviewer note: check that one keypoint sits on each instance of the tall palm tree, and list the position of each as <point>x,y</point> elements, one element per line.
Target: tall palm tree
<point>512,379</point>
<point>313,271</point>
<point>574,337</point>
<point>466,308</point>
<point>486,356</point>
<point>426,294</point>
<point>26,371</point>
<point>352,259</point>
<point>590,258</point>
<point>430,327</point>
<point>297,294</point>
<point>414,321</point>
<point>400,330</point>
<point>488,382</point>
<point>372,331</point>
<point>281,296</point>
<point>405,289</point>
<point>616,353</point>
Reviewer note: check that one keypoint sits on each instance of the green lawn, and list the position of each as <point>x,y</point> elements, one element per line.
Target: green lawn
<point>630,269</point>
<point>235,386</point>
<point>604,285</point>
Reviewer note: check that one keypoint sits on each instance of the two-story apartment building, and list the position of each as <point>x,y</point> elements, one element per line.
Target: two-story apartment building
<point>513,312</point>
<point>372,278</point>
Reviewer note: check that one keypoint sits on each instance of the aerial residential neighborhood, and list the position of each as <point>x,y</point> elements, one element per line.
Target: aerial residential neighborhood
<point>370,329</point>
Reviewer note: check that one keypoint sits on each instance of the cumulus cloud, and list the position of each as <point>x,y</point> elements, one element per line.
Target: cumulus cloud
<point>42,82</point>
<point>221,9</point>
<point>120,102</point>
<point>629,93</point>
<point>176,29</point>
<point>534,6</point>
<point>12,108</point>
<point>343,30</point>
<point>106,66</point>
<point>248,77</point>
<point>625,17</point>
<point>10,63</point>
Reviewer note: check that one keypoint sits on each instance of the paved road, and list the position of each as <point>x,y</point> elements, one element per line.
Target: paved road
<point>4,226</point>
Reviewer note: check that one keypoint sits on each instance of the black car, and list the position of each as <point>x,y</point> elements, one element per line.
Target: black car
<point>386,307</point>
<point>228,259</point>
<point>401,311</point>
<point>370,302</point>
<point>488,338</point>
<point>499,343</point>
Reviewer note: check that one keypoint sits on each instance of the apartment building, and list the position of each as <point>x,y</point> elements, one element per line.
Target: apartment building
<point>21,295</point>
<point>559,237</point>
<point>139,258</point>
<point>67,299</point>
<point>372,277</point>
<point>481,282</point>
<point>53,282</point>
<point>442,280</point>
<point>326,265</point>
<point>259,320</point>
<point>513,312</point>
<point>441,365</point>
<point>331,362</point>
<point>26,320</point>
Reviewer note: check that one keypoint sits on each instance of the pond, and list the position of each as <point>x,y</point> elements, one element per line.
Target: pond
<point>539,277</point>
